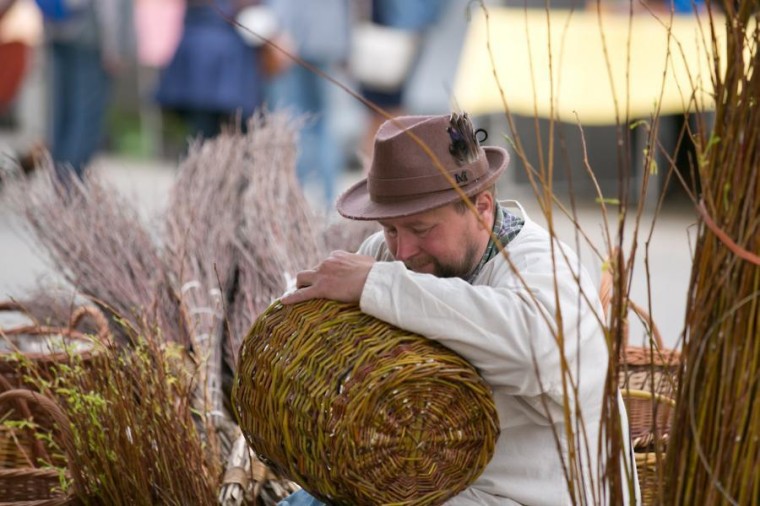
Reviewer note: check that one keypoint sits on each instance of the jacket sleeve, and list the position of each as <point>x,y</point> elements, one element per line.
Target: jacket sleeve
<point>505,330</point>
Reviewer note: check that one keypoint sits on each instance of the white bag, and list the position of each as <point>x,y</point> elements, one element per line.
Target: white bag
<point>256,22</point>
<point>382,57</point>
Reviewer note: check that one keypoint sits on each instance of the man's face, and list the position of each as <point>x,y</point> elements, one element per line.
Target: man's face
<point>442,242</point>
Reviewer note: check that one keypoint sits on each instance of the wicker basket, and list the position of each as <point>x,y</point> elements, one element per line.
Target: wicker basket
<point>27,485</point>
<point>649,368</point>
<point>44,347</point>
<point>650,418</point>
<point>21,448</point>
<point>651,477</point>
<point>357,411</point>
<point>647,377</point>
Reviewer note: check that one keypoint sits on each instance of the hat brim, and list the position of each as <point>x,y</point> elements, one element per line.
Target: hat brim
<point>356,203</point>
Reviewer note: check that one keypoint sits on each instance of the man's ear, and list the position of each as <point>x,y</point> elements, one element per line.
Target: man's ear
<point>484,202</point>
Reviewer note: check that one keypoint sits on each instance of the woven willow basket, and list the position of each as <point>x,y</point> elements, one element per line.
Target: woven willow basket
<point>23,483</point>
<point>651,477</point>
<point>650,417</point>
<point>46,347</point>
<point>357,411</point>
<point>651,368</point>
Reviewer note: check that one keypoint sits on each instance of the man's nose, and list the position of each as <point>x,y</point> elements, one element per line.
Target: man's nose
<point>406,246</point>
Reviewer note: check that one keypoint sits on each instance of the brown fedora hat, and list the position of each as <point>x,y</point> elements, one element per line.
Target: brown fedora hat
<point>403,179</point>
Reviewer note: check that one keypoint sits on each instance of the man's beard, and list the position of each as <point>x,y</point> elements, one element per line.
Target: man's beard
<point>459,269</point>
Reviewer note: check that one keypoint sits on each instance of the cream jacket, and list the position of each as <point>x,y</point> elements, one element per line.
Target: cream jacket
<point>506,328</point>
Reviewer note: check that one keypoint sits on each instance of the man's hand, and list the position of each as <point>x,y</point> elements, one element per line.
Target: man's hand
<point>340,277</point>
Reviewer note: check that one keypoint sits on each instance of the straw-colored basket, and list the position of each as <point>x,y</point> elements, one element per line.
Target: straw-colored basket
<point>357,411</point>
<point>20,447</point>
<point>651,477</point>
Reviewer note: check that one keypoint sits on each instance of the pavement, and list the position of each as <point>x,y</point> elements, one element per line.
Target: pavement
<point>666,240</point>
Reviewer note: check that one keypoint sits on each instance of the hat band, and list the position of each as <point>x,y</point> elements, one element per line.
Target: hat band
<point>421,185</point>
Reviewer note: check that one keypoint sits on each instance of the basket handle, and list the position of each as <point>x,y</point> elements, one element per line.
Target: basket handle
<point>605,295</point>
<point>104,331</point>
<point>37,447</point>
<point>81,312</point>
<point>9,305</point>
<point>647,318</point>
<point>58,416</point>
<point>41,330</point>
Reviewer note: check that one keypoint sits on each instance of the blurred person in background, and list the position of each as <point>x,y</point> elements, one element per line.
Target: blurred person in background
<point>20,33</point>
<point>89,43</point>
<point>214,77</point>
<point>158,27</point>
<point>386,47</point>
<point>317,32</point>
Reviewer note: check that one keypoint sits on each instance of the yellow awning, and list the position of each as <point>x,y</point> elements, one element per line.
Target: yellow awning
<point>555,64</point>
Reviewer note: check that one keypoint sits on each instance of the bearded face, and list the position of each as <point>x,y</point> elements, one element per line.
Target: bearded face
<point>444,242</point>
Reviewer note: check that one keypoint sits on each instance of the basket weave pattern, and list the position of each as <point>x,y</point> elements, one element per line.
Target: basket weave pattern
<point>649,368</point>
<point>49,356</point>
<point>650,418</point>
<point>28,485</point>
<point>360,412</point>
<point>651,477</point>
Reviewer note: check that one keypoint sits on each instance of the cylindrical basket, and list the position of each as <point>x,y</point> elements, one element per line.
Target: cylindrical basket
<point>357,411</point>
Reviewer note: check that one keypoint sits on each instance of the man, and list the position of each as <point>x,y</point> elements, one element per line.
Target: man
<point>435,270</point>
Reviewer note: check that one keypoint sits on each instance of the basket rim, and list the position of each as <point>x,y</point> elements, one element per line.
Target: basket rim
<point>57,356</point>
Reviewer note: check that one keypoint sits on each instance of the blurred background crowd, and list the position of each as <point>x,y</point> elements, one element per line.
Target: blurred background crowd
<point>141,77</point>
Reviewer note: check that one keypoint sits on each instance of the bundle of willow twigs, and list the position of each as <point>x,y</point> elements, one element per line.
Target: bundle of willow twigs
<point>135,438</point>
<point>713,456</point>
<point>201,222</point>
<point>278,234</point>
<point>238,228</point>
<point>97,241</point>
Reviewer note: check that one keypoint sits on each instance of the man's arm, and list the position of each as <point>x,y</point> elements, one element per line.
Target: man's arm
<point>498,329</point>
<point>504,330</point>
